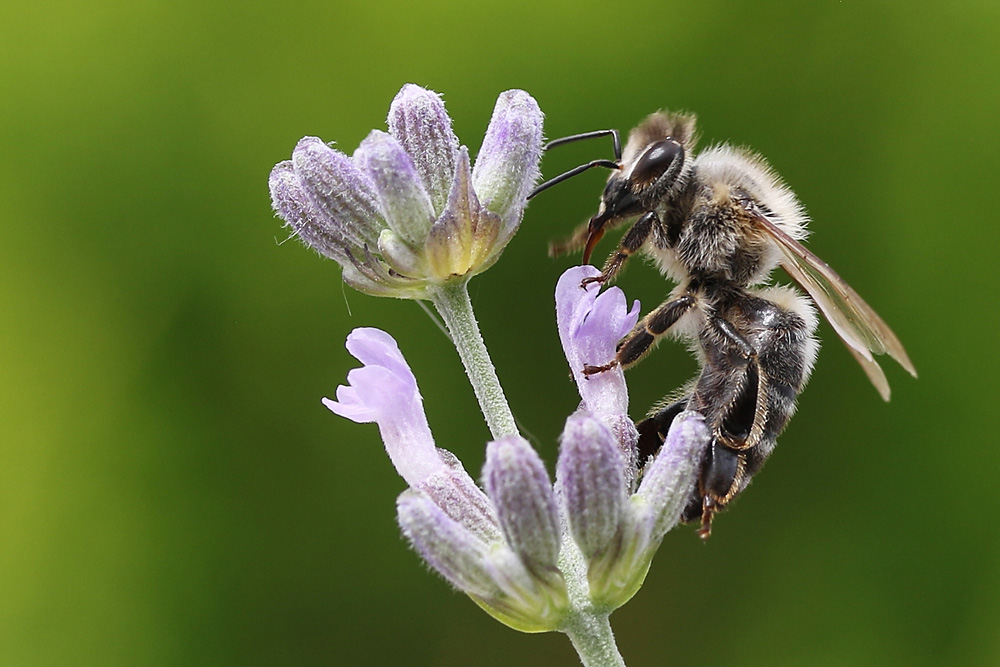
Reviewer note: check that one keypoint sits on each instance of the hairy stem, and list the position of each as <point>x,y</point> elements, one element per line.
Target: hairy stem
<point>453,304</point>
<point>589,629</point>
<point>593,640</point>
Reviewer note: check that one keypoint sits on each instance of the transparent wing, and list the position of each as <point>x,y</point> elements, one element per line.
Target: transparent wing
<point>873,371</point>
<point>857,324</point>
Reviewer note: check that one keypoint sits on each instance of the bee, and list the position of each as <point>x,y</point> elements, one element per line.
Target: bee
<point>717,224</point>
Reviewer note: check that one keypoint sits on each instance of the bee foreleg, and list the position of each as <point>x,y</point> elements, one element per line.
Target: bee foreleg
<point>633,239</point>
<point>571,243</point>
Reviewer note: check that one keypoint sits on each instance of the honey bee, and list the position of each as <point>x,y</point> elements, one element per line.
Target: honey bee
<point>717,224</point>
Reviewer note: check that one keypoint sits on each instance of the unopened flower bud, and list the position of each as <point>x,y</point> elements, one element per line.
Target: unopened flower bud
<point>407,212</point>
<point>517,483</point>
<point>591,479</point>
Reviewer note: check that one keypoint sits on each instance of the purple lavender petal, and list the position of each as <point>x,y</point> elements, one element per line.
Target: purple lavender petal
<point>351,406</point>
<point>590,326</point>
<point>405,202</point>
<point>295,207</point>
<point>385,391</point>
<point>507,165</point>
<point>591,479</point>
<point>419,122</point>
<point>517,483</point>
<point>373,346</point>
<point>338,190</point>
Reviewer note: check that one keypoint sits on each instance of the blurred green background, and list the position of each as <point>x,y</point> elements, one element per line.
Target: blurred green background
<point>172,492</point>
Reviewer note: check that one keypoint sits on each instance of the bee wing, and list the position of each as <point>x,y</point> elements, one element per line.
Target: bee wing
<point>873,371</point>
<point>857,324</point>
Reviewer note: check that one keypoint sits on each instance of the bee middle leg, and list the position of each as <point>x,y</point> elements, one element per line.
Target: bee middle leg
<point>634,346</point>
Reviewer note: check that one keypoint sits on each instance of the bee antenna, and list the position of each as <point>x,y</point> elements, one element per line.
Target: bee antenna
<point>589,135</point>
<point>610,164</point>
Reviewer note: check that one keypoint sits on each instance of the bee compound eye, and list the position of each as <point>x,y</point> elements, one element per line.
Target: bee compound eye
<point>657,160</point>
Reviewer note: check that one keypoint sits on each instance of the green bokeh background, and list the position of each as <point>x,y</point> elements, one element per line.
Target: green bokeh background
<point>172,492</point>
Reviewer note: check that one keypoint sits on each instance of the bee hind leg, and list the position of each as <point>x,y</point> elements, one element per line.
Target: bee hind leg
<point>743,424</point>
<point>653,430</point>
<point>720,480</point>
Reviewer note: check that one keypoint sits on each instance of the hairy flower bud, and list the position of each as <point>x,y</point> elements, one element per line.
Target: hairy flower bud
<point>591,478</point>
<point>517,483</point>
<point>407,212</point>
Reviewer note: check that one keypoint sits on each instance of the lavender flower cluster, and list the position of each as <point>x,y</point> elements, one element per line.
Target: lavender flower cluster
<point>407,212</point>
<point>509,547</point>
<point>408,216</point>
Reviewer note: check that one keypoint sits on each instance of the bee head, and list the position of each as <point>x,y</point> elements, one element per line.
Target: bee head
<point>657,173</point>
<point>653,169</point>
<point>657,155</point>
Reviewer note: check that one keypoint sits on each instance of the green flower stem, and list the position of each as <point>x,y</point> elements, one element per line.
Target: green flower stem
<point>593,640</point>
<point>453,304</point>
<point>589,629</point>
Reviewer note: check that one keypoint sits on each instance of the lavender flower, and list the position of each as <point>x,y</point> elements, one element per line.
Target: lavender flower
<point>590,326</point>
<point>537,557</point>
<point>384,391</point>
<point>407,212</point>
<point>409,216</point>
<point>500,550</point>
